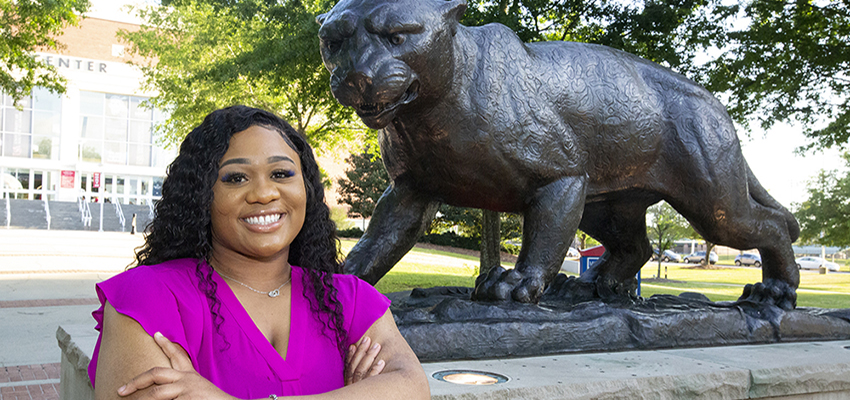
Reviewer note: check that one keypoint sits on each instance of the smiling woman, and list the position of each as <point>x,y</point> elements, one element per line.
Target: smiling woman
<point>236,294</point>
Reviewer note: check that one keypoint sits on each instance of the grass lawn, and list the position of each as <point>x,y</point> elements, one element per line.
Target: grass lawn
<point>427,268</point>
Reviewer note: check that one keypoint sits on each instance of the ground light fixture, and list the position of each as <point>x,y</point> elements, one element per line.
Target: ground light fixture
<point>469,377</point>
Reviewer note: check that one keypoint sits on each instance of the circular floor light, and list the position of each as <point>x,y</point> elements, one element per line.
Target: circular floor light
<point>469,377</point>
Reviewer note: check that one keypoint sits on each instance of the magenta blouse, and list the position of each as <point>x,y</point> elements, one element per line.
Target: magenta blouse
<point>237,358</point>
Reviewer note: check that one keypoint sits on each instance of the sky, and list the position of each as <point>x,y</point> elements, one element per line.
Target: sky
<point>782,172</point>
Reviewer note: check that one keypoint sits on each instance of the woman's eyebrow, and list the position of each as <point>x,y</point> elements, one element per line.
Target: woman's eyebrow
<point>270,160</point>
<point>274,159</point>
<point>235,161</point>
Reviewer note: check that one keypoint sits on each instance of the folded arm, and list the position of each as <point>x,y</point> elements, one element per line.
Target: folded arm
<point>401,376</point>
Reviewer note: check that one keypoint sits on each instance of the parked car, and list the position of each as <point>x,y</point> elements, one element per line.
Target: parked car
<point>698,257</point>
<point>669,256</point>
<point>815,263</point>
<point>748,259</point>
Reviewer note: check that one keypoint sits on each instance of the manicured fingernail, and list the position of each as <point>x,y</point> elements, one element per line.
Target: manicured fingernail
<point>351,349</point>
<point>380,362</point>
<point>121,389</point>
<point>375,346</point>
<point>157,335</point>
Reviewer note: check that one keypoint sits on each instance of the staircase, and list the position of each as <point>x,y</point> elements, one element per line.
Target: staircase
<point>65,215</point>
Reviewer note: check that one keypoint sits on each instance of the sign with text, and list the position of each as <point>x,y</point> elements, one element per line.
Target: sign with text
<point>67,180</point>
<point>95,180</point>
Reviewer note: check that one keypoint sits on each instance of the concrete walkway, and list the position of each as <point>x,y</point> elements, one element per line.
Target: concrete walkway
<point>47,279</point>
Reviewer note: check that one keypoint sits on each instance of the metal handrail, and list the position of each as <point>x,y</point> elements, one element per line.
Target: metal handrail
<point>46,209</point>
<point>120,213</point>
<point>8,210</point>
<point>85,211</point>
<point>86,214</point>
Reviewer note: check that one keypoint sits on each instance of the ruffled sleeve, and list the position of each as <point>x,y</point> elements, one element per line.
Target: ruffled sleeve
<point>362,305</point>
<point>162,298</point>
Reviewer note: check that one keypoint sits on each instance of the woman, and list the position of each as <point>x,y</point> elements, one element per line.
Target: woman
<point>238,271</point>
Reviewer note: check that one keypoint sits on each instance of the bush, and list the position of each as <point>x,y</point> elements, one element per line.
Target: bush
<point>350,233</point>
<point>452,239</point>
<point>511,248</point>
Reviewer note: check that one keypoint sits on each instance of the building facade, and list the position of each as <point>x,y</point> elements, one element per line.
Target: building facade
<point>96,141</point>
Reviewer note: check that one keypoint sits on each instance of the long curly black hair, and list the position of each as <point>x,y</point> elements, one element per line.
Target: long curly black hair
<point>182,227</point>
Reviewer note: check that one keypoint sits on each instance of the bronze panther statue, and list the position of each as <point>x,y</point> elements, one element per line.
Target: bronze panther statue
<point>570,135</point>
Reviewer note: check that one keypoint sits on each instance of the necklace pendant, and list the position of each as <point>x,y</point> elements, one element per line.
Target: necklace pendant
<point>274,293</point>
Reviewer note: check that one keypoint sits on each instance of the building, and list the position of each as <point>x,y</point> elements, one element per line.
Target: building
<point>95,142</point>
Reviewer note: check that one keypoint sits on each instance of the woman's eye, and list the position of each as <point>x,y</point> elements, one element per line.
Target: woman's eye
<point>396,39</point>
<point>234,178</point>
<point>282,174</point>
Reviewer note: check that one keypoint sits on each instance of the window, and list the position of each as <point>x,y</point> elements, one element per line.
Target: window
<point>33,131</point>
<point>115,129</point>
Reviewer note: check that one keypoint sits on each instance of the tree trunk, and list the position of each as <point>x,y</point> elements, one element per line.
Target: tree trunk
<point>708,248</point>
<point>490,236</point>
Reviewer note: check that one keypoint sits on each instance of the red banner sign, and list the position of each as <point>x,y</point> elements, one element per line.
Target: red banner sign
<point>67,179</point>
<point>95,180</point>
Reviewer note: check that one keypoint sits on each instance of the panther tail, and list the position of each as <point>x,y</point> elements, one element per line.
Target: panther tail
<point>762,197</point>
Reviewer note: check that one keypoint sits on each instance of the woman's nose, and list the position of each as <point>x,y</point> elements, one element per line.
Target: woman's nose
<point>263,191</point>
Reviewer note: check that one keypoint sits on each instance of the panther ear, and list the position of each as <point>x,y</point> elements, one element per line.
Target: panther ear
<point>453,10</point>
<point>321,18</point>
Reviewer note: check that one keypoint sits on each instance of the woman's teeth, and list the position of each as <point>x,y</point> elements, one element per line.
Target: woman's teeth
<point>263,219</point>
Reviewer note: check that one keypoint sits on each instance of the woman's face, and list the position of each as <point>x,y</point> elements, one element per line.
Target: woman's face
<point>259,199</point>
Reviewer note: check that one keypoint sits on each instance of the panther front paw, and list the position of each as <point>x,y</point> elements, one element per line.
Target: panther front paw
<point>771,291</point>
<point>501,284</point>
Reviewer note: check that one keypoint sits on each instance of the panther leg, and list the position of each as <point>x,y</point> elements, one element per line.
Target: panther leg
<point>400,216</point>
<point>550,221</point>
<point>742,215</point>
<point>620,225</point>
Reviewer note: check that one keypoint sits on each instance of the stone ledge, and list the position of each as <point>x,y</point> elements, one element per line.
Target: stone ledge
<point>790,371</point>
<point>786,371</point>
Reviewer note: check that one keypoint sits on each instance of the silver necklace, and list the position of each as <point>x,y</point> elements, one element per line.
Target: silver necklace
<point>273,293</point>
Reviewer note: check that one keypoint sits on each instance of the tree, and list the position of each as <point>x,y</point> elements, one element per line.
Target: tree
<point>790,63</point>
<point>825,216</point>
<point>669,32</point>
<point>27,26</point>
<point>664,225</point>
<point>364,183</point>
<point>204,55</point>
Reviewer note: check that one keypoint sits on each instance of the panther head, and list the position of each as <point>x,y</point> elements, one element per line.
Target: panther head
<point>386,54</point>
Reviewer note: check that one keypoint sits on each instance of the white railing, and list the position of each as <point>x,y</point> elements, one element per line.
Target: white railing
<point>120,214</point>
<point>85,211</point>
<point>8,210</point>
<point>151,213</point>
<point>46,210</point>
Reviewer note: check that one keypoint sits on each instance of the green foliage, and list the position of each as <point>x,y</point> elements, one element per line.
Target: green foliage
<point>664,225</point>
<point>468,222</point>
<point>364,183</point>
<point>452,239</point>
<point>670,32</point>
<point>790,62</point>
<point>25,27</point>
<point>825,216</point>
<point>339,217</point>
<point>353,232</point>
<point>205,55</point>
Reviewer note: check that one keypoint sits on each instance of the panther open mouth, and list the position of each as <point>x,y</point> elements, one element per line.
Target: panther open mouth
<point>379,110</point>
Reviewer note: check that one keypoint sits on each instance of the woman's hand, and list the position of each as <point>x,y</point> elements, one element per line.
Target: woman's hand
<point>360,361</point>
<point>181,381</point>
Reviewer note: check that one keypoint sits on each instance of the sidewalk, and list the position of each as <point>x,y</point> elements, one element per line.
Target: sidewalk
<point>47,279</point>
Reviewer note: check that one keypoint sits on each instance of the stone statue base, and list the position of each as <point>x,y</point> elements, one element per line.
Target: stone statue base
<point>443,324</point>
